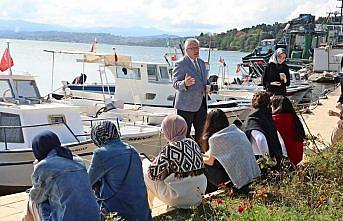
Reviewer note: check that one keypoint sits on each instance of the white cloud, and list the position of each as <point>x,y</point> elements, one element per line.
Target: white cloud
<point>169,15</point>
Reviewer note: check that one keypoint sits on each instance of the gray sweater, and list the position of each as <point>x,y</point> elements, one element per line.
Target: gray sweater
<point>232,149</point>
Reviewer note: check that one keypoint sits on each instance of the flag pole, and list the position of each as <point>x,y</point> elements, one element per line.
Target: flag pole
<point>52,72</point>
<point>8,57</point>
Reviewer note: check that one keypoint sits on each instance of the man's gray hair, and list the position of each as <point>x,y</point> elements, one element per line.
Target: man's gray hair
<point>188,40</point>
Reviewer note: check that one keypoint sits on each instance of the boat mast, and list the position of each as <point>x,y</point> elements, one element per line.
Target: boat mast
<point>8,57</point>
<point>52,72</point>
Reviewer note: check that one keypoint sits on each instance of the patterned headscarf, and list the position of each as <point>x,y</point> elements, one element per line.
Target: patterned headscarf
<point>44,142</point>
<point>174,128</point>
<point>277,53</point>
<point>103,132</point>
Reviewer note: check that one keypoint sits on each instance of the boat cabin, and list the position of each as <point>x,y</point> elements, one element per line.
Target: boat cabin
<point>23,114</point>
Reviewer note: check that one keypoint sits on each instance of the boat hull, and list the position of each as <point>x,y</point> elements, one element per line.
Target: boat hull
<point>16,166</point>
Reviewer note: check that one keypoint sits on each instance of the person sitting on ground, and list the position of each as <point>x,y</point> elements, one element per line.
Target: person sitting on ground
<point>228,153</point>
<point>337,132</point>
<point>260,128</point>
<point>176,175</point>
<point>116,170</point>
<point>80,79</point>
<point>60,184</point>
<point>290,127</point>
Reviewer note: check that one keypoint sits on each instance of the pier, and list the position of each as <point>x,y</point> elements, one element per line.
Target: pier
<point>320,124</point>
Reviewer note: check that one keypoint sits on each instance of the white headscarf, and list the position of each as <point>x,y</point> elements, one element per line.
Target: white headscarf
<point>277,53</point>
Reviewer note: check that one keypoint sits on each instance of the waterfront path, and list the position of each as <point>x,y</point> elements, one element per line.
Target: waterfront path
<point>318,121</point>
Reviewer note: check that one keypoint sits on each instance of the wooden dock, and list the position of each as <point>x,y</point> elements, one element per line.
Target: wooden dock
<point>12,207</point>
<point>318,121</point>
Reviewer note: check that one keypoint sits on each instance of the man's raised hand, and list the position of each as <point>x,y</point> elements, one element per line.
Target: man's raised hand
<point>189,81</point>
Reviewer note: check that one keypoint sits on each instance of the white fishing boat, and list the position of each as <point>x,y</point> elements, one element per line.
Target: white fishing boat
<point>23,114</point>
<point>144,87</point>
<point>299,90</point>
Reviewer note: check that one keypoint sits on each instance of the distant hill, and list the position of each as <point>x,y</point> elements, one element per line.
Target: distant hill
<point>154,41</point>
<point>245,39</point>
<point>18,29</point>
<point>25,26</point>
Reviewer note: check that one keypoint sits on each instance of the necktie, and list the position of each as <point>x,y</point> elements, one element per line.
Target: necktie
<point>197,68</point>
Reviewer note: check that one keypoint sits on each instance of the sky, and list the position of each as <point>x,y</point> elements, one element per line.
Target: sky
<point>172,16</point>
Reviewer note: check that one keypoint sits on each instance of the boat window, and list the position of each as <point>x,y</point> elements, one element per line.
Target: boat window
<point>150,96</point>
<point>297,76</point>
<point>170,98</point>
<point>56,119</point>
<point>123,72</point>
<point>26,88</point>
<point>152,72</point>
<point>5,89</point>
<point>12,135</point>
<point>164,73</point>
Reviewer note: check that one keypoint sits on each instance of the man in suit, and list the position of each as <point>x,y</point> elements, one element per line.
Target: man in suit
<point>190,80</point>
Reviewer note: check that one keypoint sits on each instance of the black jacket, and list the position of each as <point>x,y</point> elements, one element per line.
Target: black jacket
<point>261,120</point>
<point>272,73</point>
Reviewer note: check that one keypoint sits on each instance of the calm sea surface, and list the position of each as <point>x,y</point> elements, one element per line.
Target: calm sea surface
<point>29,57</point>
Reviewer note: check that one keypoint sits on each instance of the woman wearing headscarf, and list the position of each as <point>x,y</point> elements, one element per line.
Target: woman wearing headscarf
<point>116,174</point>
<point>228,154</point>
<point>260,128</point>
<point>276,74</point>
<point>290,127</point>
<point>176,175</point>
<point>60,184</point>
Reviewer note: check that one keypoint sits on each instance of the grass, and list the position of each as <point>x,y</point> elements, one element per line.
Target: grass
<point>313,191</point>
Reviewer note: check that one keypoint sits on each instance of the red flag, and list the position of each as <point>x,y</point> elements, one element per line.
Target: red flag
<point>238,68</point>
<point>174,57</point>
<point>6,61</point>
<point>115,57</point>
<point>220,59</point>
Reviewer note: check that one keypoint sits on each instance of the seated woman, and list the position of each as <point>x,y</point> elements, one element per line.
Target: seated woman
<point>260,128</point>
<point>116,170</point>
<point>291,129</point>
<point>176,176</point>
<point>228,154</point>
<point>60,184</point>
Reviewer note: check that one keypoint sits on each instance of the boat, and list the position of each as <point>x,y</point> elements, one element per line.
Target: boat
<point>252,70</point>
<point>325,77</point>
<point>24,113</point>
<point>145,88</point>
<point>263,51</point>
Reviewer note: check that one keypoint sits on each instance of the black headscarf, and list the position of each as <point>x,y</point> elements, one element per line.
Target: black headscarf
<point>261,120</point>
<point>283,105</point>
<point>44,142</point>
<point>103,132</point>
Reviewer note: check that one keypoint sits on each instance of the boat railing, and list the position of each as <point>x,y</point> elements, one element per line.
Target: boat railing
<point>4,128</point>
<point>95,120</point>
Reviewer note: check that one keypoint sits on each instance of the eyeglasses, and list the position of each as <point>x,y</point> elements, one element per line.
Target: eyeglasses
<point>193,48</point>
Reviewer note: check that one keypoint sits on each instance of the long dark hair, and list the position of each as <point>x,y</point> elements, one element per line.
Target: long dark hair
<point>216,120</point>
<point>282,104</point>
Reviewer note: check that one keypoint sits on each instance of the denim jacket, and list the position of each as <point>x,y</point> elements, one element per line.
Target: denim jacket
<point>62,190</point>
<point>117,193</point>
